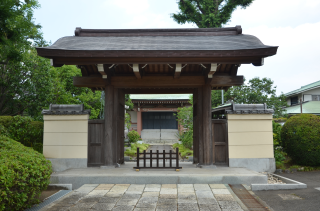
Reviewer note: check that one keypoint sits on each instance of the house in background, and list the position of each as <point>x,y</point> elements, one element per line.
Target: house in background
<point>310,97</point>
<point>154,116</point>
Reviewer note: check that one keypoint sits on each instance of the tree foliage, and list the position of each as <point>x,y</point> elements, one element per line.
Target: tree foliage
<point>25,86</point>
<point>207,13</point>
<point>256,91</point>
<point>17,29</point>
<point>64,92</point>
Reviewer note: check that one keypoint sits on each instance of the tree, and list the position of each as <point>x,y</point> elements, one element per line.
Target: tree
<point>25,81</point>
<point>207,13</point>
<point>256,91</point>
<point>17,29</point>
<point>64,92</point>
<point>25,86</point>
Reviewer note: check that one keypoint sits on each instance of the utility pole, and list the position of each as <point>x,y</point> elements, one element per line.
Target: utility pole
<point>222,97</point>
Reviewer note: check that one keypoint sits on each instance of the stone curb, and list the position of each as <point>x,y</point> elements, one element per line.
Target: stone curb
<point>60,186</point>
<point>292,185</point>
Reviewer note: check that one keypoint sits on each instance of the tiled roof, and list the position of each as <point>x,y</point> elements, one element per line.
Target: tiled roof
<point>311,107</point>
<point>304,88</point>
<point>231,42</point>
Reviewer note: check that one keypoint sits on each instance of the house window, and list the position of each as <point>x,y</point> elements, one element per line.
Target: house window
<point>294,100</point>
<point>315,97</point>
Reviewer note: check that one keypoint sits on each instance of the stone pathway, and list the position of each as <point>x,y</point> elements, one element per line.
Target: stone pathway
<point>165,197</point>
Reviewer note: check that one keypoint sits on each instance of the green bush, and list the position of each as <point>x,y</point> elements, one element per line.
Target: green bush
<point>133,136</point>
<point>187,139</point>
<point>24,173</point>
<point>132,152</point>
<point>300,137</point>
<point>184,152</point>
<point>5,121</point>
<point>23,130</point>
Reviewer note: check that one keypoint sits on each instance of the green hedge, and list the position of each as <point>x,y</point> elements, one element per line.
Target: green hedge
<point>23,130</point>
<point>300,138</point>
<point>24,173</point>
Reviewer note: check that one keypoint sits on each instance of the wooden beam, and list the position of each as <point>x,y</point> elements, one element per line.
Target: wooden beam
<point>227,80</point>
<point>213,70</point>
<point>157,81</point>
<point>177,71</point>
<point>91,82</point>
<point>136,71</point>
<point>101,71</point>
<point>159,91</point>
<point>156,60</point>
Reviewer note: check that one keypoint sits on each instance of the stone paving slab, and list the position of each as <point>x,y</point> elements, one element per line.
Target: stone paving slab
<point>149,197</point>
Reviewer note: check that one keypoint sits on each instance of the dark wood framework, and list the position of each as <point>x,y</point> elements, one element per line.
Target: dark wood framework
<point>151,69</point>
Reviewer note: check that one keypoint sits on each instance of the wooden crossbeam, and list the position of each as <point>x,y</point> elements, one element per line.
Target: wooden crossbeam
<point>136,71</point>
<point>101,71</point>
<point>177,71</point>
<point>157,81</point>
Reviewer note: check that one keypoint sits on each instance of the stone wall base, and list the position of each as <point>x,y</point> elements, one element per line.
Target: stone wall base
<point>61,164</point>
<point>256,164</point>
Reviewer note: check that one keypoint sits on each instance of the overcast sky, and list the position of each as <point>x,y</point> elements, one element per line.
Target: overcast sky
<point>293,25</point>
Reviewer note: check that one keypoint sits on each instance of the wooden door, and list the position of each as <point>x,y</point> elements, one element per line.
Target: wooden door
<point>220,141</point>
<point>95,137</point>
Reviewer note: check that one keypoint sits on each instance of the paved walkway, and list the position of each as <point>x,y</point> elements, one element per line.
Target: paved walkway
<point>165,197</point>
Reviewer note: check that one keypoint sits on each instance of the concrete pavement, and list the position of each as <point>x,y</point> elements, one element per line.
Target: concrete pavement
<point>188,175</point>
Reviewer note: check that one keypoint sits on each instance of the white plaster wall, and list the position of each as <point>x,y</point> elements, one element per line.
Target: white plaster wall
<point>250,136</point>
<point>133,115</point>
<point>65,136</point>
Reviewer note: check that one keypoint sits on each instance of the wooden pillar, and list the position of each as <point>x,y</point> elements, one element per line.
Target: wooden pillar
<point>109,151</point>
<point>197,127</point>
<point>118,132</point>
<point>208,147</point>
<point>139,121</point>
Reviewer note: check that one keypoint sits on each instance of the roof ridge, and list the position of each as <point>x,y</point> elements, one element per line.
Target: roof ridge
<point>164,31</point>
<point>310,84</point>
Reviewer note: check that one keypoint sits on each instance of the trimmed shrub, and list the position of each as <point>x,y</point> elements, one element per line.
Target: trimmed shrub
<point>24,173</point>
<point>23,130</point>
<point>300,137</point>
<point>133,136</point>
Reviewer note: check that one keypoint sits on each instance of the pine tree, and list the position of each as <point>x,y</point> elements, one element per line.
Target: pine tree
<point>207,13</point>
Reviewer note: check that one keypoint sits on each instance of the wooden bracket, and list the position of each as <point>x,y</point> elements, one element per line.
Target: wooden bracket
<point>136,71</point>
<point>177,71</point>
<point>213,70</point>
<point>101,71</point>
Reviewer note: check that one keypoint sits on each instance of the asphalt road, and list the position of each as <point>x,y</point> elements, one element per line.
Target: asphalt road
<point>310,196</point>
